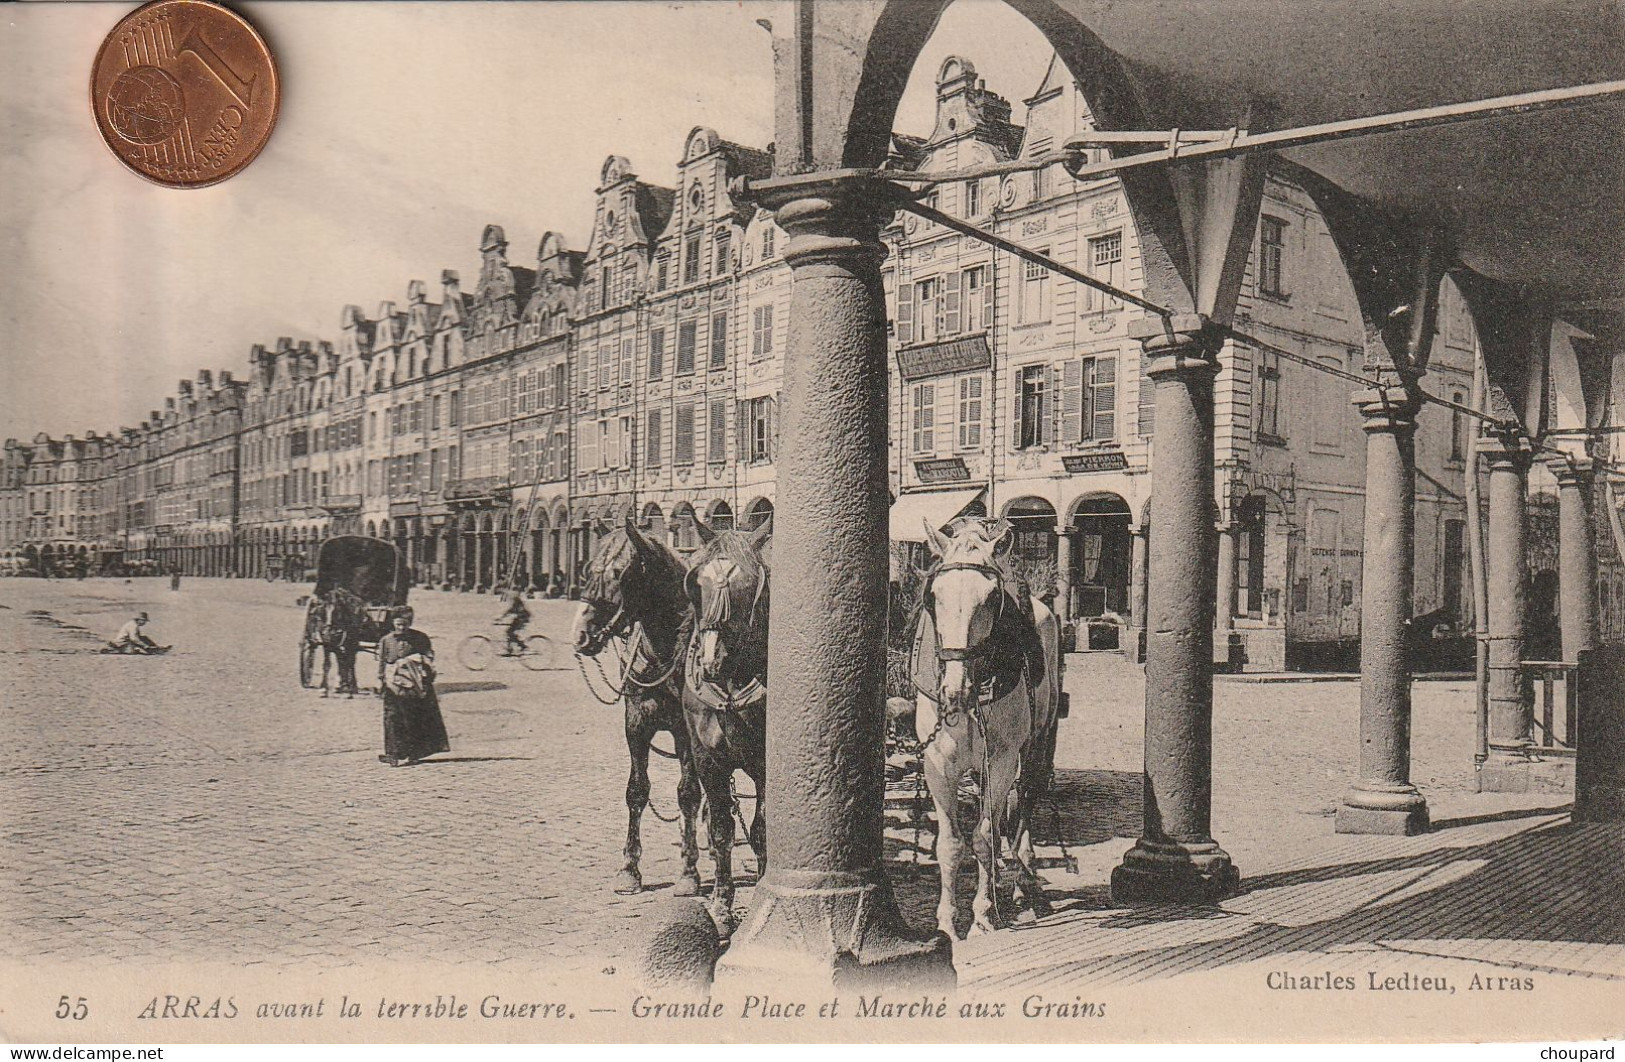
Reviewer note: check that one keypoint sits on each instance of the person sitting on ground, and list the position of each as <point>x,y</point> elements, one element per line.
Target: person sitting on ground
<point>130,639</point>
<point>516,617</point>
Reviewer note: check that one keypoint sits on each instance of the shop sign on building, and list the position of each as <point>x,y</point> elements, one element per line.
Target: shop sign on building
<point>1100,461</point>
<point>937,359</point>
<point>942,470</point>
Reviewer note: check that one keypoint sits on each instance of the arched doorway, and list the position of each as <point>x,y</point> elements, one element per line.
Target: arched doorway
<point>759,512</point>
<point>538,578</point>
<point>721,517</point>
<point>1099,557</point>
<point>684,536</point>
<point>1034,550</point>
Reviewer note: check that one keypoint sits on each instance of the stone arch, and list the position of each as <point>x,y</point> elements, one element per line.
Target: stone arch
<point>1096,559</point>
<point>720,516</point>
<point>653,520</point>
<point>681,527</point>
<point>1266,554</point>
<point>863,82</point>
<point>1034,521</point>
<point>758,512</point>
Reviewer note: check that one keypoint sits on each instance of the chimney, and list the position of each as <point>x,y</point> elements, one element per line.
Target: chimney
<point>416,292</point>
<point>205,380</point>
<point>185,388</point>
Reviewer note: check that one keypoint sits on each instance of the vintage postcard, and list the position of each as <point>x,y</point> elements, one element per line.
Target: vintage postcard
<point>812,520</point>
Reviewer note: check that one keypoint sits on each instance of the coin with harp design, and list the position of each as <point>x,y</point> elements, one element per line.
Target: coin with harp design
<point>185,92</point>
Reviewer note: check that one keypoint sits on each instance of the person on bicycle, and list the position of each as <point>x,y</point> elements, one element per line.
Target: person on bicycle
<point>516,617</point>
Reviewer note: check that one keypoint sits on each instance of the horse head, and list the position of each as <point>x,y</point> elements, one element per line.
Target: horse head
<point>965,593</point>
<point>727,587</point>
<point>624,583</point>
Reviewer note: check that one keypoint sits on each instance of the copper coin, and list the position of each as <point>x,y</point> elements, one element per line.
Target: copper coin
<point>185,92</point>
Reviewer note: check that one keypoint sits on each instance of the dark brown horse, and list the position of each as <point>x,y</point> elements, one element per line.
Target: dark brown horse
<point>725,691</point>
<point>332,628</point>
<point>634,591</point>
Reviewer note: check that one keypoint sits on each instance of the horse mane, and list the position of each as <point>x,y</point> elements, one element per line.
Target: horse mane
<point>733,546</point>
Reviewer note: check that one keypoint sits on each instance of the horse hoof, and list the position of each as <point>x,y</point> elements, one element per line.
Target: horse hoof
<point>687,885</point>
<point>628,883</point>
<point>724,919</point>
<point>980,928</point>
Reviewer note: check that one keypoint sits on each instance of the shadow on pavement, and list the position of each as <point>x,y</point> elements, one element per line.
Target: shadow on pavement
<point>1545,885</point>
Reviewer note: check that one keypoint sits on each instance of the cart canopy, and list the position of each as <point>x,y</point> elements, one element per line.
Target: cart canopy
<point>369,568</point>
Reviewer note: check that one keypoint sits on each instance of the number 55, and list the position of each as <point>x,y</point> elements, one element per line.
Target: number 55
<point>77,1011</point>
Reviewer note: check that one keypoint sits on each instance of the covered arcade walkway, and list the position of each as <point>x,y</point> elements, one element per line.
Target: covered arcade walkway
<point>1521,206</point>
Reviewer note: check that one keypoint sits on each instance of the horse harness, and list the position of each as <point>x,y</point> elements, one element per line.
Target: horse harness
<point>620,625</point>
<point>989,687</point>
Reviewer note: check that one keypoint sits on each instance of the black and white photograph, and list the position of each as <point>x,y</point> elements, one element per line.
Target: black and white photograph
<point>874,521</point>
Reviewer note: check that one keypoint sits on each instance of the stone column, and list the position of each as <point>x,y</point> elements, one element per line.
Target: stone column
<point>1383,800</point>
<point>1137,593</point>
<point>1512,706</point>
<point>1063,575</point>
<point>1576,557</point>
<point>1176,859</point>
<point>572,585</point>
<point>1226,642</point>
<point>824,912</point>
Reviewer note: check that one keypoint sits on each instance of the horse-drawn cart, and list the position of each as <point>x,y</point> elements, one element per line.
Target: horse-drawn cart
<point>358,581</point>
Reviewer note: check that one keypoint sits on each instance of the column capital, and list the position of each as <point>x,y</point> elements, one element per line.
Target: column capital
<point>1509,450</point>
<point>828,216</point>
<point>1181,343</point>
<point>1572,471</point>
<point>1388,409</point>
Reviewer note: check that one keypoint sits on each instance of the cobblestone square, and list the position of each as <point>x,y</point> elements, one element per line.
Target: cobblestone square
<point>201,807</point>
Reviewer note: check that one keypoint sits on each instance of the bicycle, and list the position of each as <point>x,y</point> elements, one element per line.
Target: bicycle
<point>478,651</point>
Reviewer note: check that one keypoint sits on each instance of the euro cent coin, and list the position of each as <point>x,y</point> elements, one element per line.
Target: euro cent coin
<point>185,92</point>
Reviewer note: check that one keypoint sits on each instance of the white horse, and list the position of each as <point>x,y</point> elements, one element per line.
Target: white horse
<point>987,678</point>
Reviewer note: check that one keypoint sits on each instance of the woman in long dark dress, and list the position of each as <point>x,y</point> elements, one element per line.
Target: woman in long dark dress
<point>413,727</point>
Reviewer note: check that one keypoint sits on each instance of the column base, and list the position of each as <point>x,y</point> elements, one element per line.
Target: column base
<point>1169,872</point>
<point>1133,645</point>
<point>1395,811</point>
<point>1511,771</point>
<point>831,931</point>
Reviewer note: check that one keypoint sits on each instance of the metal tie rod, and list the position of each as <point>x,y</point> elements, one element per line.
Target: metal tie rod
<point>1423,118</point>
<point>950,222</point>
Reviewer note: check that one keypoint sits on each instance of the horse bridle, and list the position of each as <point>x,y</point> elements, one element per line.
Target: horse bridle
<point>980,649</point>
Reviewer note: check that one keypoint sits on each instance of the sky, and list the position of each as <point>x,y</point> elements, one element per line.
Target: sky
<point>405,129</point>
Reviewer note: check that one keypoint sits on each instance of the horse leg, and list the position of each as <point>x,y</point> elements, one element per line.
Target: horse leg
<point>942,779</point>
<point>1031,787</point>
<point>758,821</point>
<point>714,779</point>
<point>327,663</point>
<point>1001,776</point>
<point>630,880</point>
<point>688,804</point>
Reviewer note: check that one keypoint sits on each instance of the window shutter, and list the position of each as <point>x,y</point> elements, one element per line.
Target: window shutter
<point>772,427</point>
<point>1072,400</point>
<point>950,302</point>
<point>1105,398</point>
<point>719,429</point>
<point>719,341</point>
<point>1018,422</point>
<point>652,455</point>
<point>905,313</point>
<point>742,452</point>
<point>588,435</point>
<point>1148,401</point>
